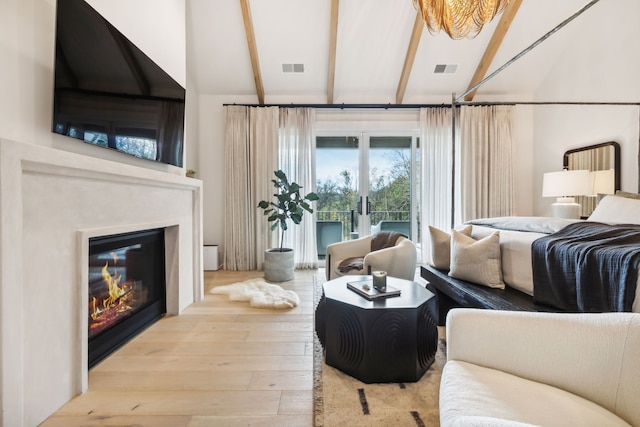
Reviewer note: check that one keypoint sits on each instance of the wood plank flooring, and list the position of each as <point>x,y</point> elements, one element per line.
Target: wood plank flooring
<point>220,363</point>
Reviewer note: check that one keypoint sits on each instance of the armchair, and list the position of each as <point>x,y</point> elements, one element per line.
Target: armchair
<point>398,260</point>
<point>511,368</point>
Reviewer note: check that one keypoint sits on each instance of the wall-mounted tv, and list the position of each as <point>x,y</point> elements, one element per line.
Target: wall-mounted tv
<point>107,92</point>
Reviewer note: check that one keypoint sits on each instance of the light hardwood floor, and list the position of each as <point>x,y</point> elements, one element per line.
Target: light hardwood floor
<point>220,363</point>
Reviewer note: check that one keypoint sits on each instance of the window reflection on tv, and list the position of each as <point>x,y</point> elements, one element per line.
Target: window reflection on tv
<point>109,93</point>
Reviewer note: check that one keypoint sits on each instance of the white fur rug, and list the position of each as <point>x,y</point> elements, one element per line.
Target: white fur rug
<point>259,293</point>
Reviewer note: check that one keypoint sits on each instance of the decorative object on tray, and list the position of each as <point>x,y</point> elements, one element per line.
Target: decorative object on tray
<point>366,289</point>
<point>379,280</point>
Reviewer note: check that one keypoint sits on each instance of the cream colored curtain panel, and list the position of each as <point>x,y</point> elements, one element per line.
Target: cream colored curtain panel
<point>251,157</point>
<point>435,174</point>
<point>297,160</point>
<point>484,163</point>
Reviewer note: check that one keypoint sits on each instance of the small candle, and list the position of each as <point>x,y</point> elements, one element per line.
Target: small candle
<point>380,280</point>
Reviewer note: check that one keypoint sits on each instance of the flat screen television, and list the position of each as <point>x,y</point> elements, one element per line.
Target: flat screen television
<point>107,92</point>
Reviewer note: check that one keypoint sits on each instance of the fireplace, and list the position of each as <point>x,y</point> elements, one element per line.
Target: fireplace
<point>45,262</point>
<point>127,289</point>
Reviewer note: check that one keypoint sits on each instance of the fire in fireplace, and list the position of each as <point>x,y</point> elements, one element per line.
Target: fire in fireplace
<point>127,288</point>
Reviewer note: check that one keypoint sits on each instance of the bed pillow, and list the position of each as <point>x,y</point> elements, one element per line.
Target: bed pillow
<point>441,246</point>
<point>477,261</point>
<point>617,210</point>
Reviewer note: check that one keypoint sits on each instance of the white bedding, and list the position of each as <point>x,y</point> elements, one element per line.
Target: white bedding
<point>515,247</point>
<point>516,236</point>
<point>535,224</point>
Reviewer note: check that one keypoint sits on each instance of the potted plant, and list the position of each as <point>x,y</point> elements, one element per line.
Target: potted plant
<point>191,173</point>
<point>288,204</point>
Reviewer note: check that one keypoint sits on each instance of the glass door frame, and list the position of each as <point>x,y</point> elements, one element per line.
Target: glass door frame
<point>364,135</point>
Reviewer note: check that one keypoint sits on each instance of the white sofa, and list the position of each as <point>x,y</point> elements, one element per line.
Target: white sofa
<point>507,368</point>
<point>398,261</point>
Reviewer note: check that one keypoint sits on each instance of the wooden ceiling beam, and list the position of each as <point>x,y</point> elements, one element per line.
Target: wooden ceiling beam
<point>333,42</point>
<point>253,50</point>
<point>418,26</point>
<point>494,44</point>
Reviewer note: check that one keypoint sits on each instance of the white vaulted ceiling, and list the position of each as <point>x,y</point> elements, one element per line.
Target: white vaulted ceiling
<point>373,38</point>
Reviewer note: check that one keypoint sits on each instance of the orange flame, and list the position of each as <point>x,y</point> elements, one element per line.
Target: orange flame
<point>115,291</point>
<point>112,282</point>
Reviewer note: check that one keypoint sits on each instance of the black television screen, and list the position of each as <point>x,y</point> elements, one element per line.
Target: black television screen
<point>107,92</point>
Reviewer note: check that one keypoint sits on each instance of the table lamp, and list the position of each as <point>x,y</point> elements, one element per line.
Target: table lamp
<point>565,185</point>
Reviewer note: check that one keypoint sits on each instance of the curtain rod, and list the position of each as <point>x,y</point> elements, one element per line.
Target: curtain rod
<point>342,106</point>
<point>403,106</point>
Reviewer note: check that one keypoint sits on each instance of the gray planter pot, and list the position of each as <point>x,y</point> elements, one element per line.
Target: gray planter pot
<point>278,266</point>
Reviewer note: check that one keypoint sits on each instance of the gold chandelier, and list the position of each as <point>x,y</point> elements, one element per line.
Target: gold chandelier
<point>459,18</point>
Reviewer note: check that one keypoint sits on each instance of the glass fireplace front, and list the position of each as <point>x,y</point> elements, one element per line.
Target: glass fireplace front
<point>127,288</point>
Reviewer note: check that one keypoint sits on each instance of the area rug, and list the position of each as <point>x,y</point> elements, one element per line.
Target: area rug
<point>259,293</point>
<point>340,399</point>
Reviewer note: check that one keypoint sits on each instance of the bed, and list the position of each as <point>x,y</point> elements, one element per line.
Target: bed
<point>509,274</point>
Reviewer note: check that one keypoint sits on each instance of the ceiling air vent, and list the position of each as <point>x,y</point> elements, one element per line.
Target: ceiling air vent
<point>445,69</point>
<point>293,68</point>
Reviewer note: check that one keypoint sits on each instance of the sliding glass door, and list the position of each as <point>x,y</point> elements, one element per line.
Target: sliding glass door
<point>337,186</point>
<point>366,183</point>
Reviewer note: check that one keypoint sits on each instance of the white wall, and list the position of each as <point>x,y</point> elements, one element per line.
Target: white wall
<point>157,27</point>
<point>560,128</point>
<point>26,75</point>
<point>602,66</point>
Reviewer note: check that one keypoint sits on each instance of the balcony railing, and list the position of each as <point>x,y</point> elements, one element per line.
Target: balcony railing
<point>350,218</point>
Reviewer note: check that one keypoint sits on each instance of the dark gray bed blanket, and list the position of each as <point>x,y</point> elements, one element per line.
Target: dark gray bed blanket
<point>587,267</point>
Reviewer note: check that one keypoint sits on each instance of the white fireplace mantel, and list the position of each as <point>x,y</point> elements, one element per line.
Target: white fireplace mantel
<point>51,203</point>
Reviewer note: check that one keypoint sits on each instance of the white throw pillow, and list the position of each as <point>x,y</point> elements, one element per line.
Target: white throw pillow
<point>617,210</point>
<point>477,261</point>
<point>441,246</point>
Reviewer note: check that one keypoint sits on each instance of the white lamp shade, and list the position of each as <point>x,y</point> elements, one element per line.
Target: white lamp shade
<point>566,183</point>
<point>603,182</point>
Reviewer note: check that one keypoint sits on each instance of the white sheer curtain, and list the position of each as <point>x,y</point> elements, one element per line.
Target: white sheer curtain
<point>484,163</point>
<point>437,163</point>
<point>251,157</point>
<point>297,160</point>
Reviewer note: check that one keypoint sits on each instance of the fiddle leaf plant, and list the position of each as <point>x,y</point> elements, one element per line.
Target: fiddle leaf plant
<point>288,204</point>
